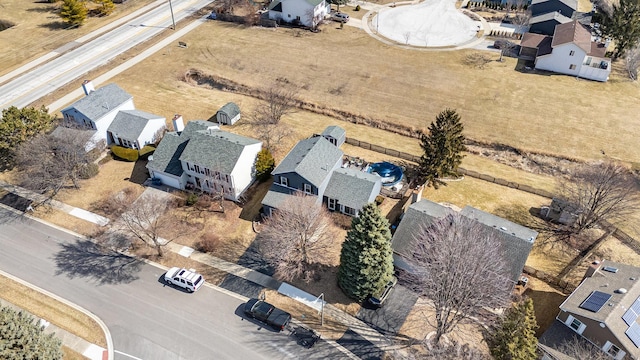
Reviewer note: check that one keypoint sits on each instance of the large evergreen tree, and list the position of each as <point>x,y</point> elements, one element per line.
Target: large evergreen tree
<point>21,338</point>
<point>18,126</point>
<point>620,22</point>
<point>515,336</point>
<point>366,259</point>
<point>443,147</point>
<point>73,12</point>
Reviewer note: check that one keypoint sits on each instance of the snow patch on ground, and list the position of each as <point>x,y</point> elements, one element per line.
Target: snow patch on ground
<point>430,23</point>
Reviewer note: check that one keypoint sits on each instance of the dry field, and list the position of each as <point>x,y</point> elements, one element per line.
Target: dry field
<point>346,69</point>
<point>39,30</point>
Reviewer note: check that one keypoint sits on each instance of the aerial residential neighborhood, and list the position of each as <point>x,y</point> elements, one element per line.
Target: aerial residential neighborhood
<point>303,179</point>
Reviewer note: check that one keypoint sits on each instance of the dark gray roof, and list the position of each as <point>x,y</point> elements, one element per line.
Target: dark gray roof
<point>231,109</point>
<point>555,336</point>
<point>100,102</point>
<point>561,19</point>
<point>517,240</point>
<point>216,149</point>
<point>166,158</point>
<point>626,277</point>
<point>570,3</point>
<point>334,131</point>
<point>351,187</point>
<point>275,196</point>
<point>128,124</point>
<point>311,159</point>
<point>418,214</point>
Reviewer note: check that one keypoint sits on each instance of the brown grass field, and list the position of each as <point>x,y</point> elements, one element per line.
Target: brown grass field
<point>39,30</point>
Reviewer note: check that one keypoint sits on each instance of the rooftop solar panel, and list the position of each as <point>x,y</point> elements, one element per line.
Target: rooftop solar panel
<point>633,332</point>
<point>595,301</point>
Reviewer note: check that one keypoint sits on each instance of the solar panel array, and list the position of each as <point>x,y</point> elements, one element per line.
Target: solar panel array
<point>632,314</point>
<point>633,332</point>
<point>595,301</point>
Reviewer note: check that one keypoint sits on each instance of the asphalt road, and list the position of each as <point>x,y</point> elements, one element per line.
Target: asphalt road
<point>32,85</point>
<point>147,319</point>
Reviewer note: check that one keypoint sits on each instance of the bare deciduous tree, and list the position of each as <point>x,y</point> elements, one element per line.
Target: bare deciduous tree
<point>600,193</point>
<point>265,118</point>
<point>580,349</point>
<point>145,219</point>
<point>632,62</point>
<point>295,236</point>
<point>50,163</point>
<point>460,266</point>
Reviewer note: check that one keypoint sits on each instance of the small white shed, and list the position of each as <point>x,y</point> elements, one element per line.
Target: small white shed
<point>229,114</point>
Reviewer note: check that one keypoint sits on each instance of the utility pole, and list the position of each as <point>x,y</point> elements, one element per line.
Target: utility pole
<point>172,18</point>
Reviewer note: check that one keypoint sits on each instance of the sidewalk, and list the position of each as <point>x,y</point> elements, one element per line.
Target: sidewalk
<point>359,327</point>
<point>76,343</point>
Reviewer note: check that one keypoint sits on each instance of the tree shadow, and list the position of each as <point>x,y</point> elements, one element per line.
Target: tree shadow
<point>389,319</point>
<point>57,25</point>
<point>85,259</point>
<point>359,346</point>
<point>546,306</point>
<point>139,174</point>
<point>47,9</point>
<point>16,201</point>
<point>253,204</point>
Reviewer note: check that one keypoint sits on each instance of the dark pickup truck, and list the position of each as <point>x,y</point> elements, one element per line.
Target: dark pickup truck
<point>267,313</point>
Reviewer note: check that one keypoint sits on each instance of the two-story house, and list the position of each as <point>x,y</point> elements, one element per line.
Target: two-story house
<point>314,167</point>
<point>517,240</point>
<point>203,157</point>
<point>306,12</point>
<point>100,108</point>
<point>570,51</point>
<point>604,310</point>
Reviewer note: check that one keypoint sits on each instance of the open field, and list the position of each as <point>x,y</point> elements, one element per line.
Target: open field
<point>39,29</point>
<point>348,70</point>
<point>53,311</point>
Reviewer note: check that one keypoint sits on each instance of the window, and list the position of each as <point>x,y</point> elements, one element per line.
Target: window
<point>572,67</point>
<point>571,53</point>
<point>613,350</point>
<point>349,211</point>
<point>331,204</point>
<point>307,188</point>
<point>575,324</point>
<point>284,181</point>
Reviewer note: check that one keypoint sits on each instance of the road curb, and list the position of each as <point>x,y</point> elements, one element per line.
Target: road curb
<point>110,350</point>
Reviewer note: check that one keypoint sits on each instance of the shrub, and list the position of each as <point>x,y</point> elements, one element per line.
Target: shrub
<point>123,153</point>
<point>146,151</point>
<point>192,199</point>
<point>88,171</point>
<point>341,220</point>
<point>379,200</point>
<point>357,8</point>
<point>208,242</point>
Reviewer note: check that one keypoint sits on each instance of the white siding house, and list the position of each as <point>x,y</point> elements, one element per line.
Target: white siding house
<point>206,158</point>
<point>574,53</point>
<point>134,129</point>
<point>307,12</point>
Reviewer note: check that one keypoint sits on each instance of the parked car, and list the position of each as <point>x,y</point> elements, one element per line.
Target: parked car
<point>340,17</point>
<point>267,313</point>
<point>190,280</point>
<point>377,300</point>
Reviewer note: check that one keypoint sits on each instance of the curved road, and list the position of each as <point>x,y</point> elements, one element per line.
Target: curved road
<point>147,319</point>
<point>32,85</point>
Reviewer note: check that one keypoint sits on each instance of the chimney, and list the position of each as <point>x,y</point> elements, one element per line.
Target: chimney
<point>178,123</point>
<point>87,86</point>
<point>416,195</point>
<point>595,266</point>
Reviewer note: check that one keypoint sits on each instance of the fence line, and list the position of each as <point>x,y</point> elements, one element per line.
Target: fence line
<point>562,285</point>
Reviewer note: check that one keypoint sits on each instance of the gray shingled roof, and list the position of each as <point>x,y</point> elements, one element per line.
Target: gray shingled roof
<point>100,102</point>
<point>351,187</point>
<point>166,158</point>
<point>216,149</point>
<point>231,109</point>
<point>517,240</point>
<point>571,3</point>
<point>627,277</point>
<point>128,124</point>
<point>310,159</point>
<point>417,215</point>
<point>554,15</point>
<point>275,196</point>
<point>334,131</point>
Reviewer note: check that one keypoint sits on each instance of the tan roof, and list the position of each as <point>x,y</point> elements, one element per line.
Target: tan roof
<point>597,50</point>
<point>572,32</point>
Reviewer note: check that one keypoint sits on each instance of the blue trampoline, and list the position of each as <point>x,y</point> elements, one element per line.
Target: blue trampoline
<point>391,174</point>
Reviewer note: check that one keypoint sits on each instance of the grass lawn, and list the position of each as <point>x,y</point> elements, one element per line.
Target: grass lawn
<point>52,310</point>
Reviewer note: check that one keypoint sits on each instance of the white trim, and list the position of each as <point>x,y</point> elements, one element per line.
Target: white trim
<point>608,345</point>
<point>331,203</point>
<point>580,328</point>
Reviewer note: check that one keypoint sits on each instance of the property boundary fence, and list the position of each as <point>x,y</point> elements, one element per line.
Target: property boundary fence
<point>562,285</point>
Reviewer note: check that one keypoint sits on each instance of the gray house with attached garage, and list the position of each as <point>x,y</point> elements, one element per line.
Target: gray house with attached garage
<point>517,240</point>
<point>314,167</point>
